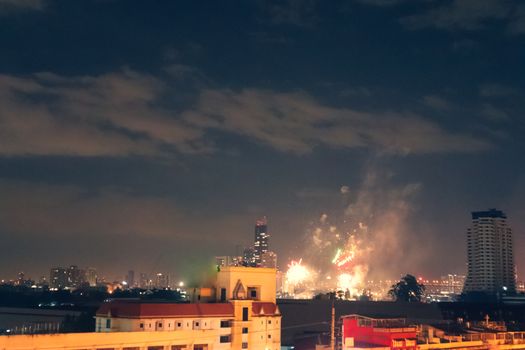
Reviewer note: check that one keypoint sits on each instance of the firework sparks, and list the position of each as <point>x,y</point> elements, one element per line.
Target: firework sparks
<point>297,273</point>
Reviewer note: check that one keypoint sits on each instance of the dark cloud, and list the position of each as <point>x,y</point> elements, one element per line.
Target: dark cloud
<point>381,2</point>
<point>120,114</point>
<point>495,90</point>
<point>300,13</point>
<point>297,123</point>
<point>517,25</point>
<point>114,114</point>
<point>437,102</point>
<point>465,15</point>
<point>7,6</point>
<point>494,114</point>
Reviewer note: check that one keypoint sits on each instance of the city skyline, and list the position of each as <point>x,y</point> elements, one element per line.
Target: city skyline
<point>151,136</point>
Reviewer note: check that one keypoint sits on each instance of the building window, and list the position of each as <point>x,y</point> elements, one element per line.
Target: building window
<point>108,323</point>
<point>244,330</point>
<point>225,339</point>
<point>269,321</point>
<point>244,346</point>
<point>141,325</point>
<point>269,336</point>
<point>178,347</point>
<point>245,314</point>
<point>225,324</point>
<point>160,324</point>
<point>179,324</point>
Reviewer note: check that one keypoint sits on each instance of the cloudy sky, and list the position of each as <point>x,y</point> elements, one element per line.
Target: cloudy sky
<point>150,135</point>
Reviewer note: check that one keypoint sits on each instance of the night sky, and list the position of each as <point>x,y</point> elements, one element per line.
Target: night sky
<point>150,135</point>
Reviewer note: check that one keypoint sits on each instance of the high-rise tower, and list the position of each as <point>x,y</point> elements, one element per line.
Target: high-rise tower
<point>261,240</point>
<point>490,254</point>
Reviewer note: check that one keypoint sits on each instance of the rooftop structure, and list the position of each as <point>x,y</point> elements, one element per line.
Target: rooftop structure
<point>365,332</point>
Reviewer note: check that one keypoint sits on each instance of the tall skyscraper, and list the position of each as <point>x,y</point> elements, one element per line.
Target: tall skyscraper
<point>269,259</point>
<point>490,254</point>
<point>261,240</point>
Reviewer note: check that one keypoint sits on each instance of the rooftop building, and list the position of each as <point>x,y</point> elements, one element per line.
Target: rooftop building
<point>246,318</point>
<point>365,332</point>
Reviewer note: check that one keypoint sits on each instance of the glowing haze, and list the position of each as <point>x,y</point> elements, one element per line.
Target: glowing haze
<point>367,237</point>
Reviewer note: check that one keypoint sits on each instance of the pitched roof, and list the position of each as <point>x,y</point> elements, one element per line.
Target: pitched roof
<point>137,309</point>
<point>265,309</point>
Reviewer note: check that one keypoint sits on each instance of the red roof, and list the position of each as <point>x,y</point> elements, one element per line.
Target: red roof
<point>134,309</point>
<point>265,309</point>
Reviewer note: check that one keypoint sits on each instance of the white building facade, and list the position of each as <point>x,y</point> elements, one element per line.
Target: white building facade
<point>490,254</point>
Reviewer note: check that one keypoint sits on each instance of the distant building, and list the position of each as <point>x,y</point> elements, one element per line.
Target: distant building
<point>58,278</point>
<point>455,283</point>
<point>91,276</point>
<point>269,259</point>
<point>261,240</point>
<point>130,279</point>
<point>75,276</point>
<point>145,282</point>
<point>162,281</point>
<point>248,257</point>
<point>490,254</point>
<point>43,281</point>
<point>226,260</point>
<point>21,279</point>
